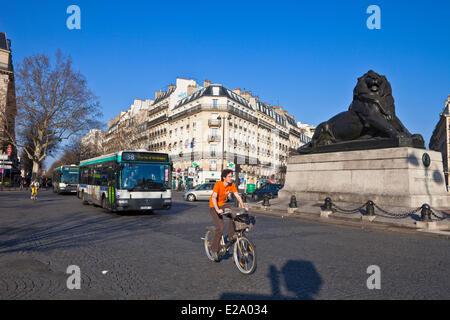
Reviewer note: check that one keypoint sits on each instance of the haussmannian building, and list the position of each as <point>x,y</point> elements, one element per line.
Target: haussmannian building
<point>8,109</point>
<point>440,139</point>
<point>209,128</point>
<point>92,143</point>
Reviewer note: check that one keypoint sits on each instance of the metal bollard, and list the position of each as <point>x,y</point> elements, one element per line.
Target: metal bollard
<point>328,204</point>
<point>293,203</point>
<point>244,197</point>
<point>370,210</point>
<point>425,213</point>
<point>266,201</point>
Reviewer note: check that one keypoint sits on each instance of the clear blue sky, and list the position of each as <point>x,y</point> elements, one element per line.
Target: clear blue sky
<point>305,57</point>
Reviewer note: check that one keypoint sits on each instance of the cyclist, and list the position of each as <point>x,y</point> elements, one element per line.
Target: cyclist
<point>34,188</point>
<point>216,205</point>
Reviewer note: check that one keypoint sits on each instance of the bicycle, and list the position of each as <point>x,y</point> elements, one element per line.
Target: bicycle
<point>244,251</point>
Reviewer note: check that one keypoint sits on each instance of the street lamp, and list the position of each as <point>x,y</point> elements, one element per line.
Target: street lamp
<point>223,136</point>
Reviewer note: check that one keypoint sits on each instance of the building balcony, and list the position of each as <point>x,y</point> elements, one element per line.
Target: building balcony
<point>214,123</point>
<point>214,138</point>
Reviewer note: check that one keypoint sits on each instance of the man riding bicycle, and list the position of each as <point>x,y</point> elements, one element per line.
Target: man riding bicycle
<point>216,205</point>
<point>34,188</point>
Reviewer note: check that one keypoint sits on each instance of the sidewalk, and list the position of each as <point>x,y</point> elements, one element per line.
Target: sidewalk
<point>312,211</point>
<point>7,189</point>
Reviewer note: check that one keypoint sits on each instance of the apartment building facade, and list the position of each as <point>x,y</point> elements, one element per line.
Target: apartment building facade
<point>440,139</point>
<point>209,128</point>
<point>8,109</point>
<point>92,143</point>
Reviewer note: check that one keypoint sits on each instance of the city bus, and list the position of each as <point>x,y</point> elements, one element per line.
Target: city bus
<point>65,179</point>
<point>136,180</point>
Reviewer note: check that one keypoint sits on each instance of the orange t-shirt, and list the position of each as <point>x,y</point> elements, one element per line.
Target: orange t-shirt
<point>222,193</point>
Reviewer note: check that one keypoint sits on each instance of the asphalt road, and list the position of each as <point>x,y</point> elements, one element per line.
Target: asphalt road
<point>161,256</point>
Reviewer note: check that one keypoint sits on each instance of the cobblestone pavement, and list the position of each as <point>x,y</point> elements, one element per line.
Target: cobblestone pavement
<point>161,256</point>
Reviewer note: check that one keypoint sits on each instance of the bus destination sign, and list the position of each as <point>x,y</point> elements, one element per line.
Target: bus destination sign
<point>145,157</point>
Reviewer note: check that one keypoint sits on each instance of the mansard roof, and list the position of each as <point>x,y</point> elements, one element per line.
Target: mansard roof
<point>224,92</point>
<point>208,91</point>
<point>164,95</point>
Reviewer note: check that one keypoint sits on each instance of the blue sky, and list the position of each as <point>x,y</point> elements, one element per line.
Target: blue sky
<point>305,57</point>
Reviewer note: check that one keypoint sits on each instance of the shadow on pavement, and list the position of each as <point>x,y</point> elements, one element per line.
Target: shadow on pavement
<point>300,278</point>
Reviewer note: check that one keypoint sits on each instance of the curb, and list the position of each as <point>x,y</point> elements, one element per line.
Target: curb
<point>351,222</point>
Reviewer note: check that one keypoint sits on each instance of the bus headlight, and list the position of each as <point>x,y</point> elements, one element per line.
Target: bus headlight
<point>122,202</point>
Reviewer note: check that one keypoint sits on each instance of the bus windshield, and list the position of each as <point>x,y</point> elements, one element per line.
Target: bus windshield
<point>69,177</point>
<point>144,177</point>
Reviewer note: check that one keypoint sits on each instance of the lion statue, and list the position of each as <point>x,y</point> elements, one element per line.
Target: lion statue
<point>371,115</point>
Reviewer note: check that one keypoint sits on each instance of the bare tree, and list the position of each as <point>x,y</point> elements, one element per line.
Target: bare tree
<point>53,103</point>
<point>28,146</point>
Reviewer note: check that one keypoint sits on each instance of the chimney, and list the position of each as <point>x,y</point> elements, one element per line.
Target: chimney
<point>171,86</point>
<point>237,90</point>
<point>278,109</point>
<point>247,95</point>
<point>206,83</point>
<point>191,89</point>
<point>253,101</point>
<point>158,93</point>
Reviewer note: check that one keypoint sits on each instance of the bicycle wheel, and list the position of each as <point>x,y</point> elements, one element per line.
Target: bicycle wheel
<point>244,254</point>
<point>208,241</point>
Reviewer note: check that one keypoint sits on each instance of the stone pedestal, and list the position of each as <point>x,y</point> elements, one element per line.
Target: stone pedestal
<point>388,177</point>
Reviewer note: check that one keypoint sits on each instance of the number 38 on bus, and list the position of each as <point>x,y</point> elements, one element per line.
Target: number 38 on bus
<point>126,181</point>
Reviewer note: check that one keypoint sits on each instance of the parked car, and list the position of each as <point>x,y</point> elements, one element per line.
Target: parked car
<point>200,192</point>
<point>270,189</point>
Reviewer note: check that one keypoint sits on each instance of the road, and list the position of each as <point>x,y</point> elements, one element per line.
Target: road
<point>161,256</point>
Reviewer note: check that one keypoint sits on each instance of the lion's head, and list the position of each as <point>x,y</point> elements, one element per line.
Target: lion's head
<point>372,86</point>
<point>373,83</point>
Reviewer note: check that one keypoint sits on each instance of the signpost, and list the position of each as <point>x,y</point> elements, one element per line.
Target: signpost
<point>5,164</point>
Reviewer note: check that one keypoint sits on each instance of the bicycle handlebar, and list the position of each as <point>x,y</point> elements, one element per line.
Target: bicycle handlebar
<point>232,214</point>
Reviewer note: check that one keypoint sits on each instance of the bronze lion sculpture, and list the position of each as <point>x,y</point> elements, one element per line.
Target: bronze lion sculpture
<point>371,115</point>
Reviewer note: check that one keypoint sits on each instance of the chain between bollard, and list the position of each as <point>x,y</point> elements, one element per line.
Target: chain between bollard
<point>444,215</point>
<point>370,205</point>
<point>396,215</point>
<point>348,211</point>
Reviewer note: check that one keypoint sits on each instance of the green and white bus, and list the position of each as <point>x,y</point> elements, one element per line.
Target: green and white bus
<point>127,181</point>
<point>65,179</point>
